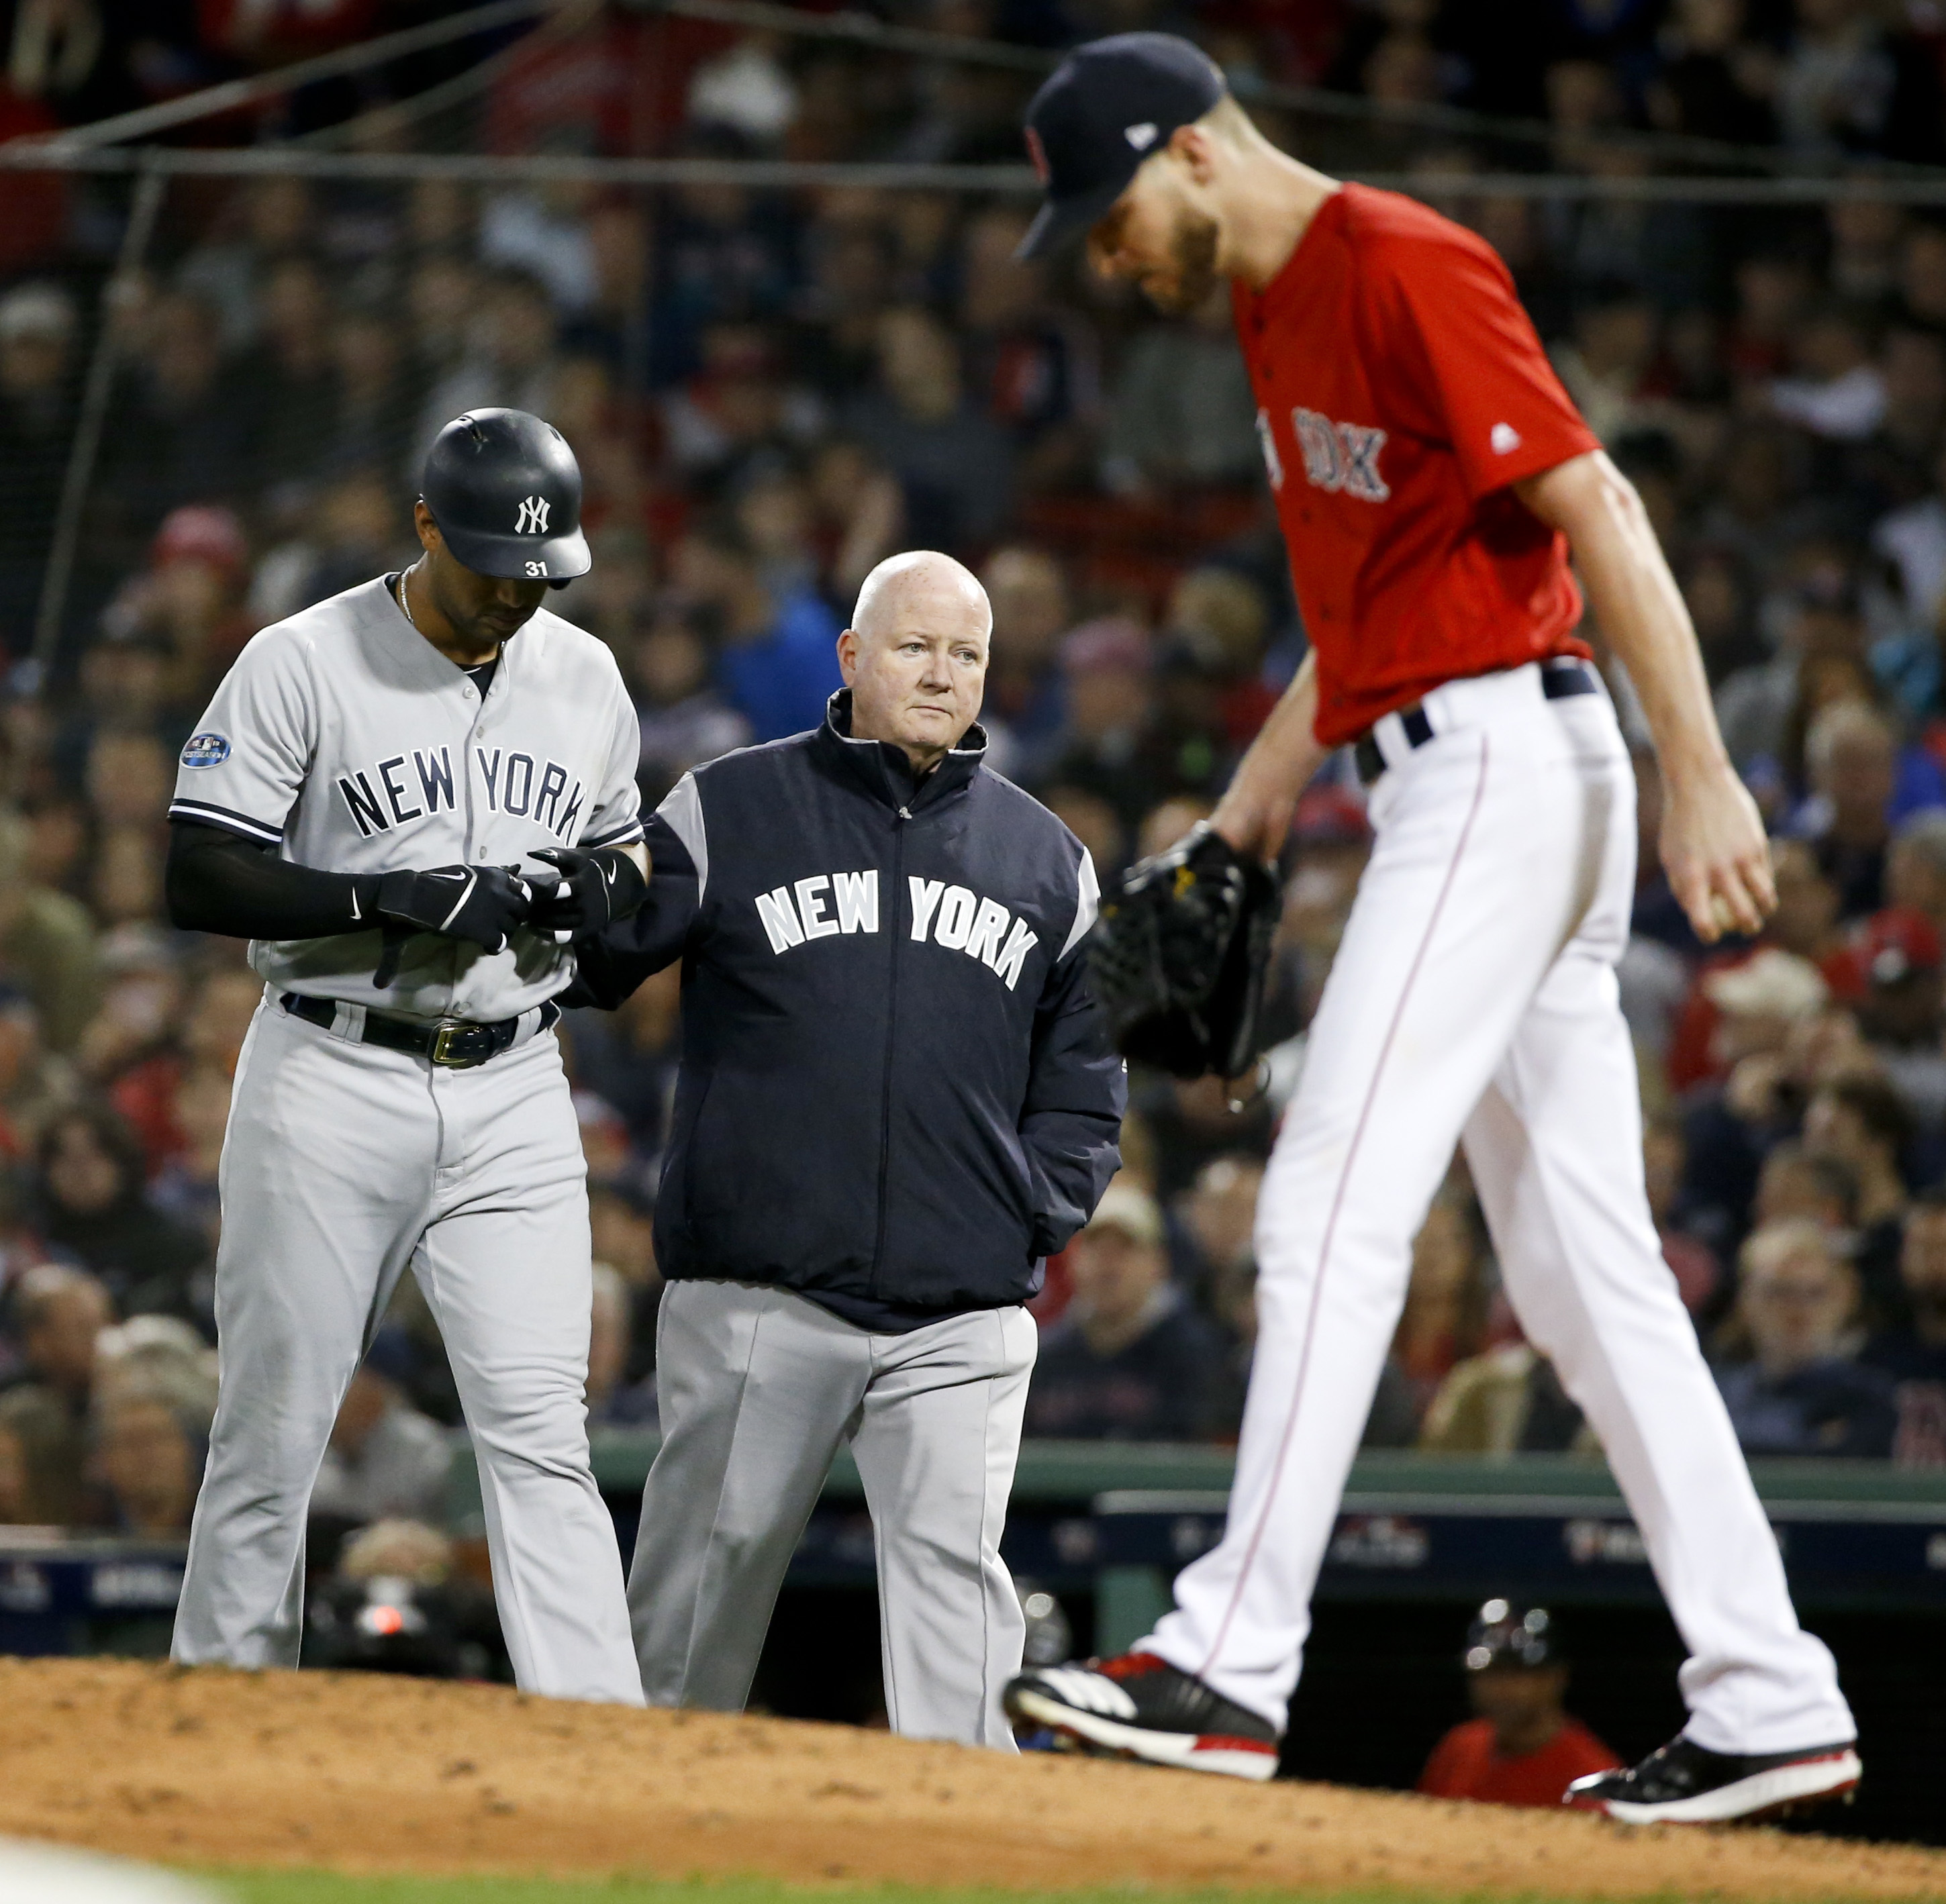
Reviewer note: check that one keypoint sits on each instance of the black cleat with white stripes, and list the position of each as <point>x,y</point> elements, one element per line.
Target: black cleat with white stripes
<point>1141,1707</point>
<point>1683,1783</point>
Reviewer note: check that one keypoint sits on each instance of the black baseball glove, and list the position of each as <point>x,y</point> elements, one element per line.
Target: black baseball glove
<point>1179,957</point>
<point>594,889</point>
<point>481,905</point>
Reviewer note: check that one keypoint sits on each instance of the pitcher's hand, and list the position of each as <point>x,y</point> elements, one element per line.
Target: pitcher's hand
<point>1718,860</point>
<point>1254,819</point>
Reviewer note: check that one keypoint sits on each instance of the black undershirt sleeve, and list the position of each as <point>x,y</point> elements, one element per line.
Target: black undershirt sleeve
<point>219,882</point>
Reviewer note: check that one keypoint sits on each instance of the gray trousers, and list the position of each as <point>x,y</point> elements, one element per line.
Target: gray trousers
<point>758,1389</point>
<point>342,1164</point>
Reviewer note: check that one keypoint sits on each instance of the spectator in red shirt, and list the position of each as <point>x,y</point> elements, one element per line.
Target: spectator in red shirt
<point>1892,971</point>
<point>1523,1749</point>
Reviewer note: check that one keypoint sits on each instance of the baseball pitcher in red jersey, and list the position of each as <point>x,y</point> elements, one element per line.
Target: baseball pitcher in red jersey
<point>1432,479</point>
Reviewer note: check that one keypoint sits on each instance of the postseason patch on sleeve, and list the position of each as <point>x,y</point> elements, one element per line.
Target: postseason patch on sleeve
<point>206,750</point>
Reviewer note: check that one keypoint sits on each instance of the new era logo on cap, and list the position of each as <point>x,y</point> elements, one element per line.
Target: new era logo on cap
<point>1505,439</point>
<point>1140,136</point>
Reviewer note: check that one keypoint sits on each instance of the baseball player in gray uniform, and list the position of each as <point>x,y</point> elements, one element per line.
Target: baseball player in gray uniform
<point>361,800</point>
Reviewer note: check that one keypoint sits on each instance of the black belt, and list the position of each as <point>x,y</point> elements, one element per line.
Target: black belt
<point>1559,680</point>
<point>459,1044</point>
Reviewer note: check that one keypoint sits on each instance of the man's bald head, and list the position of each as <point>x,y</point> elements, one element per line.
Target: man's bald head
<point>919,578</point>
<point>914,656</point>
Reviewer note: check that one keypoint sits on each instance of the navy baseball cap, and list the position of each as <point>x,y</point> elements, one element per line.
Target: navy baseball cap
<point>1103,110</point>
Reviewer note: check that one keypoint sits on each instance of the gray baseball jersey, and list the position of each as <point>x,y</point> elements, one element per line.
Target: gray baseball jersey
<point>344,738</point>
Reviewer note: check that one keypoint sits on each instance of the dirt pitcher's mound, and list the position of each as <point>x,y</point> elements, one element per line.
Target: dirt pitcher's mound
<point>365,1773</point>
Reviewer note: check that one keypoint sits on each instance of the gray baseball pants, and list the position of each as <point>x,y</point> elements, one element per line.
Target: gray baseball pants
<point>344,1163</point>
<point>758,1389</point>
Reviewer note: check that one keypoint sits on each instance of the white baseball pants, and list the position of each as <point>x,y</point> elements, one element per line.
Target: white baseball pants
<point>342,1164</point>
<point>1474,996</point>
<point>758,1389</point>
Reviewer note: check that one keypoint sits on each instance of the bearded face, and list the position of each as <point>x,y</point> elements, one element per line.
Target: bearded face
<point>1167,248</point>
<point>1192,273</point>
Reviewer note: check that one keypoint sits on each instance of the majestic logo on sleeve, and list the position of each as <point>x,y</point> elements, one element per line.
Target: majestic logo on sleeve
<point>1341,457</point>
<point>532,520</point>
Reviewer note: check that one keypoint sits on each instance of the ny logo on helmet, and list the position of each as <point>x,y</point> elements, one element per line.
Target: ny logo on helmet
<point>532,519</point>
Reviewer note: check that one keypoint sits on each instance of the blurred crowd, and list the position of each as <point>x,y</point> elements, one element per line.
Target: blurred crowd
<point>768,392</point>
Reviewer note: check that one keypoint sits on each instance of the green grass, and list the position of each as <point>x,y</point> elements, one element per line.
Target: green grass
<point>328,1887</point>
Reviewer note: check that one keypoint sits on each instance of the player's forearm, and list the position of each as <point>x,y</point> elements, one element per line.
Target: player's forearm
<point>1254,813</point>
<point>1639,606</point>
<point>217,882</point>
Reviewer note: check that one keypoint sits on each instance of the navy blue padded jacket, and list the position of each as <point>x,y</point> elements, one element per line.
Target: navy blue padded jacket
<point>896,1094</point>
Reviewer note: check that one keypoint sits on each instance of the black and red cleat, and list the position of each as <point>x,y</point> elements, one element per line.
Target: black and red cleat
<point>1141,1707</point>
<point>1683,1783</point>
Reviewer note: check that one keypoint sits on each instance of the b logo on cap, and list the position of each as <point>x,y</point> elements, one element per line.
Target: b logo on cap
<point>1140,136</point>
<point>1038,153</point>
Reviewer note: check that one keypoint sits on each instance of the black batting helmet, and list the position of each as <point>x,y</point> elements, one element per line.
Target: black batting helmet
<point>505,490</point>
<point>1505,1633</point>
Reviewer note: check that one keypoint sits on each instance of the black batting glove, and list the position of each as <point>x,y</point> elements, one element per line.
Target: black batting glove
<point>480,904</point>
<point>593,891</point>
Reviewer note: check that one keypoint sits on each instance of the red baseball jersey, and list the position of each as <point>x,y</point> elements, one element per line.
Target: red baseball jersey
<point>1464,1765</point>
<point>1400,388</point>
